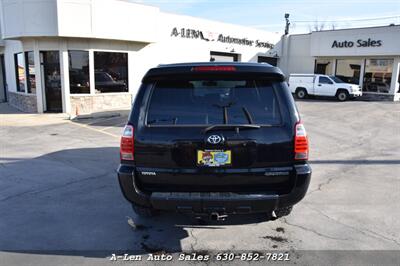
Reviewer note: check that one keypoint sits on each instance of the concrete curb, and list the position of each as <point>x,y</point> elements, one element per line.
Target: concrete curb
<point>108,114</point>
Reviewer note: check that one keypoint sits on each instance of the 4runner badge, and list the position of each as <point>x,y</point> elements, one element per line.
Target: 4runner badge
<point>214,139</point>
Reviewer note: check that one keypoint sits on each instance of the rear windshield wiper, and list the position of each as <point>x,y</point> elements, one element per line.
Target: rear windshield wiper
<point>236,127</point>
<point>173,120</point>
<point>248,115</point>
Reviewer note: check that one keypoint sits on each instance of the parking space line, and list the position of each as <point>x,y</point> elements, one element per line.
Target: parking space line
<point>94,129</point>
<point>120,124</point>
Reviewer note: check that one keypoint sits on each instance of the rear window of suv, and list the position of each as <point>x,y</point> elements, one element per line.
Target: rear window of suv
<point>208,102</point>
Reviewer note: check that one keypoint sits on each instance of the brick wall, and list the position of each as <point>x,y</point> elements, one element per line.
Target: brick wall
<point>101,102</point>
<point>24,102</point>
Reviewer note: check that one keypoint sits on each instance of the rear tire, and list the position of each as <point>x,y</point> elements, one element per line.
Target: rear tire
<point>301,94</point>
<point>281,212</point>
<point>342,96</point>
<point>144,211</point>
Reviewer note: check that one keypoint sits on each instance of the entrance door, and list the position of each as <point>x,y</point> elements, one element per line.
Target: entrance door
<point>321,69</point>
<point>50,67</point>
<point>3,89</point>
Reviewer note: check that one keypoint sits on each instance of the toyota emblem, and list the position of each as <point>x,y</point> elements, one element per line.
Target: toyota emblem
<point>214,139</point>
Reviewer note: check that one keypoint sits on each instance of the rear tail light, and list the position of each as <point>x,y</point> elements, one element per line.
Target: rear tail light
<point>300,142</point>
<point>213,68</point>
<point>127,144</point>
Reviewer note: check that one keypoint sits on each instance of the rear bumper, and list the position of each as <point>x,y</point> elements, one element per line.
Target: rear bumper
<point>201,202</point>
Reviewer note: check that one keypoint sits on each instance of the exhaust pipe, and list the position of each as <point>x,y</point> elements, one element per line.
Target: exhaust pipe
<point>215,216</point>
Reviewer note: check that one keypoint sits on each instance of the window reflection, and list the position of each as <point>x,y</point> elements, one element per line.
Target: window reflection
<point>378,75</point>
<point>79,71</point>
<point>398,82</point>
<point>30,62</point>
<point>20,71</point>
<point>348,70</point>
<point>111,72</point>
<point>323,67</point>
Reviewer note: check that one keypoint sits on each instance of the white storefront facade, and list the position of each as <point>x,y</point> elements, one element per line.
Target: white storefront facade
<point>86,56</point>
<point>369,57</point>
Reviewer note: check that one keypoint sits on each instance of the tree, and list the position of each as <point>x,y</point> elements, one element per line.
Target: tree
<point>317,26</point>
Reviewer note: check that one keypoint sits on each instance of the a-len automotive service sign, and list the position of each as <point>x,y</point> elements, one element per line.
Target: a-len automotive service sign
<point>208,36</point>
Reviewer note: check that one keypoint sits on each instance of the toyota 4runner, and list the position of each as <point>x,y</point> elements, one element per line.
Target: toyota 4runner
<point>214,139</point>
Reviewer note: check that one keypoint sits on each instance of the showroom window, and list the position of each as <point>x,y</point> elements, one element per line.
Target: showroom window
<point>398,82</point>
<point>323,67</point>
<point>378,75</point>
<point>78,72</point>
<point>111,72</point>
<point>30,72</point>
<point>348,70</point>
<point>20,71</point>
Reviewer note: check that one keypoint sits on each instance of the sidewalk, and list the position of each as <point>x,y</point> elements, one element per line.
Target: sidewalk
<point>10,116</point>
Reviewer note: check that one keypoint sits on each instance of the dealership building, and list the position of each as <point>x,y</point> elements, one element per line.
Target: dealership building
<point>84,56</point>
<point>369,57</point>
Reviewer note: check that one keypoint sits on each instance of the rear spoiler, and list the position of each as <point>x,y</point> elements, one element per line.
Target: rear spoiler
<point>214,70</point>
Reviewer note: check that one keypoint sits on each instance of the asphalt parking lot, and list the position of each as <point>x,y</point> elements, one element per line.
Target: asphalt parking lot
<point>59,192</point>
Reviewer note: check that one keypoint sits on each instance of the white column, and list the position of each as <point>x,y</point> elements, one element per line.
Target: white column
<point>333,67</point>
<point>38,78</point>
<point>287,53</point>
<point>284,54</point>
<point>91,72</point>
<point>394,85</point>
<point>66,101</point>
<point>130,71</point>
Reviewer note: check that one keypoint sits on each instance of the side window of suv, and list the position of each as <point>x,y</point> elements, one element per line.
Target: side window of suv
<point>325,80</point>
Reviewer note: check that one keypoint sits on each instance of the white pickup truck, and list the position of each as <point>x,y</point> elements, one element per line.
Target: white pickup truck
<point>303,85</point>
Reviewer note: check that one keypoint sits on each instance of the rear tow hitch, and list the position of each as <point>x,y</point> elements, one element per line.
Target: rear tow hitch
<point>215,216</point>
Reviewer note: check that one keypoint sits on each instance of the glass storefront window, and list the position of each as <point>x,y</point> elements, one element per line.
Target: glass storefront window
<point>398,82</point>
<point>111,72</point>
<point>323,67</point>
<point>20,71</point>
<point>30,65</point>
<point>348,70</point>
<point>378,75</point>
<point>79,71</point>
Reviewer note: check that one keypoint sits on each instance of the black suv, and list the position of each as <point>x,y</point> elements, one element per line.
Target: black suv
<point>214,139</point>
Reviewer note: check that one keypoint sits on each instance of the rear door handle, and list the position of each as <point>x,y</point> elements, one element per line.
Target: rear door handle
<point>319,85</point>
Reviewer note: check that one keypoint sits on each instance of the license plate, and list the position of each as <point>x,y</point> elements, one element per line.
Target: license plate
<point>213,158</point>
